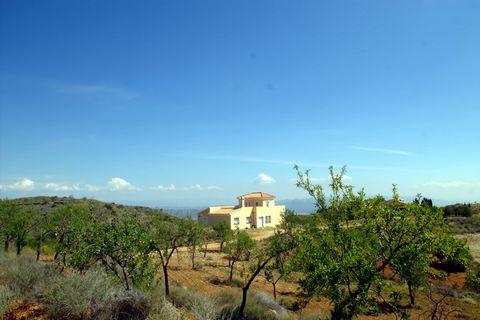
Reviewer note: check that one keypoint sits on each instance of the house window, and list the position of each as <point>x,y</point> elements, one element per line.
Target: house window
<point>267,203</point>
<point>236,221</point>
<point>256,204</point>
<point>268,219</point>
<point>249,220</point>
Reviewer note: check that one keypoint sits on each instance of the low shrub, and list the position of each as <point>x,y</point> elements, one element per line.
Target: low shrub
<point>312,316</point>
<point>180,296</point>
<point>25,277</point>
<point>259,307</point>
<point>203,308</point>
<point>236,282</point>
<point>6,299</point>
<point>198,267</point>
<point>131,305</point>
<point>165,310</point>
<point>472,280</point>
<point>92,295</point>
<point>200,306</point>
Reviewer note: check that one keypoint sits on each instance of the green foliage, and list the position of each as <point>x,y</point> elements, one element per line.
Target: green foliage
<point>16,221</point>
<point>193,238</point>
<point>69,224</point>
<point>120,243</point>
<point>167,235</point>
<point>238,248</point>
<point>40,232</point>
<point>124,250</point>
<point>453,254</point>
<point>223,232</point>
<point>7,212</point>
<point>412,265</point>
<point>353,239</point>
<point>472,280</point>
<point>462,210</point>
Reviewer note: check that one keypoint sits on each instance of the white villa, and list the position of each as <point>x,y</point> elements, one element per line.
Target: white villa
<point>254,210</point>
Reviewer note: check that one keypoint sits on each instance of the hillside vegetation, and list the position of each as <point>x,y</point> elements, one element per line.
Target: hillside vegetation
<point>354,258</point>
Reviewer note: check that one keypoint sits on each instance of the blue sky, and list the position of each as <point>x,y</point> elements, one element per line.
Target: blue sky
<point>184,103</point>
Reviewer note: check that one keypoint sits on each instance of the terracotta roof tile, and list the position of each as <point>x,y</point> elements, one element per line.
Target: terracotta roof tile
<point>257,195</point>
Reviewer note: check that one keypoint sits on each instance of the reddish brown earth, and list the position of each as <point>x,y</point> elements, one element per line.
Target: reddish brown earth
<point>27,311</point>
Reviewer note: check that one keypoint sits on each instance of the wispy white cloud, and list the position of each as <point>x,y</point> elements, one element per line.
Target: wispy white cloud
<point>198,187</point>
<point>24,184</point>
<point>117,184</point>
<point>450,184</point>
<point>388,151</point>
<point>193,187</point>
<point>264,178</point>
<point>91,188</point>
<point>52,186</point>
<point>286,162</point>
<point>170,187</point>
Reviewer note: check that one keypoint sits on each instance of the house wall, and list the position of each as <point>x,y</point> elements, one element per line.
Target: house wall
<point>274,212</point>
<point>212,218</point>
<point>242,214</point>
<point>259,202</point>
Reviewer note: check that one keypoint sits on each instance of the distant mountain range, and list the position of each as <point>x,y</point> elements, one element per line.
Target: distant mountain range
<point>306,206</point>
<point>300,206</point>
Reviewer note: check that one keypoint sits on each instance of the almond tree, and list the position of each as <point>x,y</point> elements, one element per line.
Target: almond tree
<point>168,235</point>
<point>40,231</point>
<point>7,210</point>
<point>274,248</point>
<point>124,250</point>
<point>194,236</point>
<point>353,239</point>
<point>223,232</point>
<point>238,248</point>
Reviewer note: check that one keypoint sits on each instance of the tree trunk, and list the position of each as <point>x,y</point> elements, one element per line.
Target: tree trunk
<point>339,313</point>
<point>205,251</point>
<point>125,279</point>
<point>19,248</point>
<point>221,245</point>
<point>6,244</point>
<point>193,257</point>
<point>274,291</point>
<point>245,288</point>
<point>38,251</point>
<point>411,293</point>
<point>231,271</point>
<point>244,301</point>
<point>165,276</point>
